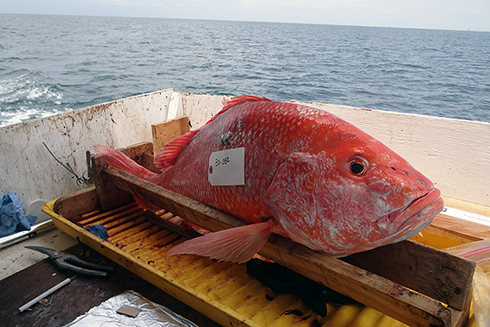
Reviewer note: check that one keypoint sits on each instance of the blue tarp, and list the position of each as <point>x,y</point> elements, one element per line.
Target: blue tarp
<point>12,218</point>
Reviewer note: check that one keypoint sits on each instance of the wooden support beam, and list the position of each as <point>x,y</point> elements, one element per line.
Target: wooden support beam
<point>86,202</point>
<point>458,229</point>
<point>108,196</point>
<point>166,131</point>
<point>432,272</point>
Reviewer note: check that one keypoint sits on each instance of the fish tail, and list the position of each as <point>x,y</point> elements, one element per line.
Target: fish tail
<point>237,244</point>
<point>119,160</point>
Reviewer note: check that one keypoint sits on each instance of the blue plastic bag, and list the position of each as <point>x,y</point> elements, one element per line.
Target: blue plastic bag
<point>99,231</point>
<point>12,218</point>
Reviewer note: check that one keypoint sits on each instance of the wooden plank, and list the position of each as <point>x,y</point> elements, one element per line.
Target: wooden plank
<point>178,204</point>
<point>77,203</point>
<point>147,161</point>
<point>108,196</point>
<point>458,229</point>
<point>395,300</point>
<point>166,131</point>
<point>376,291</point>
<point>138,151</point>
<point>412,264</point>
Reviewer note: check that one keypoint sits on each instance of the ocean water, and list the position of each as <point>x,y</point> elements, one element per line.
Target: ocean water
<point>51,64</point>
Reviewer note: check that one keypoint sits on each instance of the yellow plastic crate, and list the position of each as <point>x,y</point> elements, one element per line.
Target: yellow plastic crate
<point>220,290</point>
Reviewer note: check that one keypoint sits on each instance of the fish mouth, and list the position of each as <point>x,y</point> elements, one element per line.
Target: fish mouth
<point>410,220</point>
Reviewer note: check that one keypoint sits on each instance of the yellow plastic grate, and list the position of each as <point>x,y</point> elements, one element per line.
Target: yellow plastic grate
<point>225,283</point>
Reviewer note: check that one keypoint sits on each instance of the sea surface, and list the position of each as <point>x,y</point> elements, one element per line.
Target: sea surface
<point>51,64</point>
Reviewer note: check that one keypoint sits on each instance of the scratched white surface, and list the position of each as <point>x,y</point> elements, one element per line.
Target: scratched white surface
<point>28,169</point>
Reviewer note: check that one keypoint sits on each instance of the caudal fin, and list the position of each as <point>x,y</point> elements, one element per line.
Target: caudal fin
<point>237,244</point>
<point>119,160</point>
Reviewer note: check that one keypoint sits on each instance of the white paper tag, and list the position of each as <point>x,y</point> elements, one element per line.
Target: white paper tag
<point>227,167</point>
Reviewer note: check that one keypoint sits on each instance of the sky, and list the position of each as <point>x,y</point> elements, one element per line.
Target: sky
<point>431,14</point>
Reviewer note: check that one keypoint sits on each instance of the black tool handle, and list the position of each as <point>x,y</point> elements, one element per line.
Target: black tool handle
<point>80,270</point>
<point>79,262</point>
<point>53,254</point>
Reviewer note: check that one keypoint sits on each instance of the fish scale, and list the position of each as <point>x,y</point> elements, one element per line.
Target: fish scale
<point>225,286</point>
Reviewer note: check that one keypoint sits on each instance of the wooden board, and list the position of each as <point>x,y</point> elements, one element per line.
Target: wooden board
<point>87,201</point>
<point>393,299</point>
<point>166,131</point>
<point>458,229</point>
<point>461,230</point>
<point>432,272</point>
<point>108,195</point>
<point>466,206</point>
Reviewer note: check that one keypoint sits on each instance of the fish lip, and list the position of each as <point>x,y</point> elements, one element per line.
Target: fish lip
<point>425,206</point>
<point>413,232</point>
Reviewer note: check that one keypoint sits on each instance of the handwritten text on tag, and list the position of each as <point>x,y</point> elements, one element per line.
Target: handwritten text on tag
<point>227,168</point>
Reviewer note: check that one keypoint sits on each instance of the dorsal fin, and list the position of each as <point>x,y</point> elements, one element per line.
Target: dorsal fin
<point>235,102</point>
<point>242,99</point>
<point>167,155</point>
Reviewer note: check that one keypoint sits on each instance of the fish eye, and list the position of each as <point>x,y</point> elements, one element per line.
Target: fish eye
<point>358,166</point>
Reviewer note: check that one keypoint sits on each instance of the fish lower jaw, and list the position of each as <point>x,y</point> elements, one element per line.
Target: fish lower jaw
<point>415,213</point>
<point>429,212</point>
<point>413,232</point>
<point>412,224</point>
<point>387,222</point>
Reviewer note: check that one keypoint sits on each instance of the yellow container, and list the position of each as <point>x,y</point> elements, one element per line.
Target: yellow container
<point>222,291</point>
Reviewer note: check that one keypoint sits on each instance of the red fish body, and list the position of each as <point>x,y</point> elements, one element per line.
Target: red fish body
<point>325,183</point>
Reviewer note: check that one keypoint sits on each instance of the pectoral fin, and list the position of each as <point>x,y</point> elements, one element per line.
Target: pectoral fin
<point>237,244</point>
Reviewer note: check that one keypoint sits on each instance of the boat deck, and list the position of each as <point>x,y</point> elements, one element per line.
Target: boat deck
<point>16,257</point>
<point>80,295</point>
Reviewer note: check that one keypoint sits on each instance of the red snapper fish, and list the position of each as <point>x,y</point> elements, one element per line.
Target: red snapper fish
<point>292,170</point>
